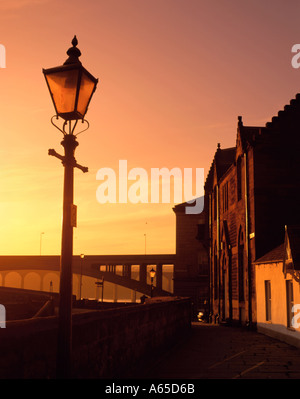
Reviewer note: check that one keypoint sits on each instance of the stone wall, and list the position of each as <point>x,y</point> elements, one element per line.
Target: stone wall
<point>106,344</point>
<point>23,304</point>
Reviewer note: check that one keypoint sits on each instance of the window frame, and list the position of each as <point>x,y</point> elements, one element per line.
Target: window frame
<point>268,301</point>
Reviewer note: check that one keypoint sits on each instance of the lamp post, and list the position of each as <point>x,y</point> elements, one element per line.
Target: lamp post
<point>41,243</point>
<point>81,262</point>
<point>152,275</point>
<point>71,87</point>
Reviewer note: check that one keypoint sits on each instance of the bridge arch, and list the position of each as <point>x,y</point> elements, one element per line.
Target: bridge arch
<point>132,271</point>
<point>33,280</point>
<point>12,279</point>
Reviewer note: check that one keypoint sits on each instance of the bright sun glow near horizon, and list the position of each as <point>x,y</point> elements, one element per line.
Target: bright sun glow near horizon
<point>173,77</point>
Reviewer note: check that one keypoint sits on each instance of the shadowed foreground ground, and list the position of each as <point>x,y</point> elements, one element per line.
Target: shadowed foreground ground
<point>219,351</point>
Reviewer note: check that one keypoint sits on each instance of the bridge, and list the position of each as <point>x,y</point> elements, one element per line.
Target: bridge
<point>116,269</point>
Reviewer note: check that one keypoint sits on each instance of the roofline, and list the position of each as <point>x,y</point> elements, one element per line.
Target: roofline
<point>259,262</point>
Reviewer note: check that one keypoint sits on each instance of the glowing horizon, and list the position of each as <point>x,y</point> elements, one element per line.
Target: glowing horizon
<point>173,77</point>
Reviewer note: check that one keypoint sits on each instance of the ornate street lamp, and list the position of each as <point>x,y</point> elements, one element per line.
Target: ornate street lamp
<point>71,88</point>
<point>152,275</point>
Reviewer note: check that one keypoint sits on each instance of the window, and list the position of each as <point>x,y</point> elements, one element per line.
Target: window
<point>268,299</point>
<point>289,302</point>
<point>225,197</point>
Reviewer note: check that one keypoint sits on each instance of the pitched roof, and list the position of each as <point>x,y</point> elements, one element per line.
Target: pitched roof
<point>275,255</point>
<point>223,159</point>
<point>278,254</point>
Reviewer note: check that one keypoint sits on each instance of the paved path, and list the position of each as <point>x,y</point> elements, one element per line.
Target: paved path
<point>219,351</point>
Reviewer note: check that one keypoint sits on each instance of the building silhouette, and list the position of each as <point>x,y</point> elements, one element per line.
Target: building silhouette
<point>191,269</point>
<point>251,193</point>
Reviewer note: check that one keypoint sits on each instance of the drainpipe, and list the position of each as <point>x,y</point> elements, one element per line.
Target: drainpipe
<point>247,243</point>
<point>210,256</point>
<point>218,250</point>
<point>230,282</point>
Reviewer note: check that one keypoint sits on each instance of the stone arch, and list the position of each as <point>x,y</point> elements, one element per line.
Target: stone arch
<point>32,280</point>
<point>13,279</point>
<point>227,270</point>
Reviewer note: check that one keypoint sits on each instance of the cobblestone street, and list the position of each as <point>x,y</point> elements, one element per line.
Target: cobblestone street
<point>222,352</point>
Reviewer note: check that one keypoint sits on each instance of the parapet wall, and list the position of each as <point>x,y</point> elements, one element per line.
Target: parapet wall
<point>106,344</point>
<point>23,304</point>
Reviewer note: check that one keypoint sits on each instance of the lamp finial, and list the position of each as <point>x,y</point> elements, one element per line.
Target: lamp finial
<point>74,53</point>
<point>74,41</point>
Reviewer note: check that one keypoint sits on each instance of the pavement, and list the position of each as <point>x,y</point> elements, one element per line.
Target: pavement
<point>213,351</point>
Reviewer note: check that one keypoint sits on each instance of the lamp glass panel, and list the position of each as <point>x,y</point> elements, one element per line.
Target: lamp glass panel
<point>152,273</point>
<point>63,86</point>
<point>85,93</point>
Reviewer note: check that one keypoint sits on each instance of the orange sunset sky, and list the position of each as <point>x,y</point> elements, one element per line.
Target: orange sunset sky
<point>173,77</point>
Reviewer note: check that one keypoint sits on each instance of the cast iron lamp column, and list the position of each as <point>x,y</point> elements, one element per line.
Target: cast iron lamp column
<point>65,303</point>
<point>71,87</point>
<point>81,257</point>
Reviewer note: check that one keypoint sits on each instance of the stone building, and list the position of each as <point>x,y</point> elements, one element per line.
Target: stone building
<point>191,271</point>
<point>277,281</point>
<point>251,193</point>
